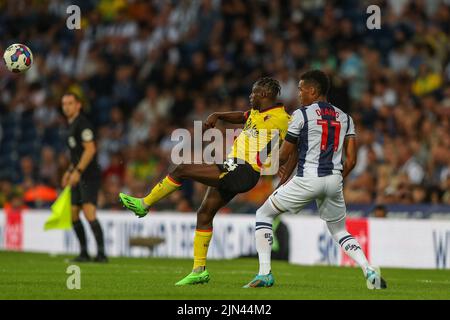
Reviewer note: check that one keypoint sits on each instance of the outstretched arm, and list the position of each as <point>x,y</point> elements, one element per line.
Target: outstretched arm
<point>236,117</point>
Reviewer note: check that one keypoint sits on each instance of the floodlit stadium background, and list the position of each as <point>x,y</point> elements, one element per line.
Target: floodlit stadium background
<point>145,68</point>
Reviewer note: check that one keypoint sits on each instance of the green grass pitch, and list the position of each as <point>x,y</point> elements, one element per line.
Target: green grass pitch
<point>41,276</point>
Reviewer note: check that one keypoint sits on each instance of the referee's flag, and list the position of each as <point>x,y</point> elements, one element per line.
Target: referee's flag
<point>61,212</point>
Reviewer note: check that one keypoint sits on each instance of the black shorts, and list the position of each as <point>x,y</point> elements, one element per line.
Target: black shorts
<point>86,191</point>
<point>238,180</point>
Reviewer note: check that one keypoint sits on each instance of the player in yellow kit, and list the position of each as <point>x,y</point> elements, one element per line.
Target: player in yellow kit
<point>266,123</point>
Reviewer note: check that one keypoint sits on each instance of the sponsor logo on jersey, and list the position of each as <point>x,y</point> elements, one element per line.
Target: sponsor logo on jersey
<point>87,135</point>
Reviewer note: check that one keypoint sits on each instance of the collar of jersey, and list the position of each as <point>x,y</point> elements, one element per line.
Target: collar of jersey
<point>278,105</point>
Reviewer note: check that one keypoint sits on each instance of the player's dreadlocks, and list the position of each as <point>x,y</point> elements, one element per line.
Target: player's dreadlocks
<point>271,85</point>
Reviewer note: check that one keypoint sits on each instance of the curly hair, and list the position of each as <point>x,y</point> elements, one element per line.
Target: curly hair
<point>317,78</point>
<point>269,84</point>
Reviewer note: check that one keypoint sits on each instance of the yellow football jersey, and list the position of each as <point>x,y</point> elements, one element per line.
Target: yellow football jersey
<point>259,130</point>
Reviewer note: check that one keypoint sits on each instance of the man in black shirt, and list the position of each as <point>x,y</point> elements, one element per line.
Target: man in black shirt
<point>83,176</point>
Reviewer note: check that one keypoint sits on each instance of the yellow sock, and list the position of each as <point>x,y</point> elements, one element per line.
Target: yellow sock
<point>201,245</point>
<point>162,190</point>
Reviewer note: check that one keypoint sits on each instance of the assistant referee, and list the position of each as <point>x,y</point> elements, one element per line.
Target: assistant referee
<point>83,176</point>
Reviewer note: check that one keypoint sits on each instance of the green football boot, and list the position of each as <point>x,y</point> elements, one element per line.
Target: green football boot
<point>133,204</point>
<point>194,278</point>
<point>261,281</point>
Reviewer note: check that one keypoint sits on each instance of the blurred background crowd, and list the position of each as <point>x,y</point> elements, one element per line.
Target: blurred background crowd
<point>145,68</point>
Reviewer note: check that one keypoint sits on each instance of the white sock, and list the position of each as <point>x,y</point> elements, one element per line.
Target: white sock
<point>264,235</point>
<point>348,243</point>
<point>264,239</point>
<point>353,249</point>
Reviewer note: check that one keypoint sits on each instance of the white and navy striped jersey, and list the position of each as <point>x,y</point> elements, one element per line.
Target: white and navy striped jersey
<point>320,130</point>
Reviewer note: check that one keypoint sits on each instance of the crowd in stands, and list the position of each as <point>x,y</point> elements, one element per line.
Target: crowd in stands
<point>144,68</point>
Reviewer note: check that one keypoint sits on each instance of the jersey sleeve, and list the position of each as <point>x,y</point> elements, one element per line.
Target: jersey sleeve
<point>295,125</point>
<point>86,132</point>
<point>247,114</point>
<point>350,128</point>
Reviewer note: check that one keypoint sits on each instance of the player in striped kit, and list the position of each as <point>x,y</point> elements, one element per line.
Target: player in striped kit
<point>318,136</point>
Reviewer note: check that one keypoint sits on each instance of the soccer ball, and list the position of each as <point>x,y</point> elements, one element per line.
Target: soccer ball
<point>18,58</point>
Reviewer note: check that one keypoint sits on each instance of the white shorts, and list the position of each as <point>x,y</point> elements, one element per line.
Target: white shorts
<point>299,191</point>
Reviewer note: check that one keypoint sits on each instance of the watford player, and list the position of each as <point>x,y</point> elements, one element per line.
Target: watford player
<point>238,174</point>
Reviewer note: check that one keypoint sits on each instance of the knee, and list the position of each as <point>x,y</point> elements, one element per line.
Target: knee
<point>89,211</point>
<point>337,229</point>
<point>259,213</point>
<point>266,213</point>
<point>75,215</point>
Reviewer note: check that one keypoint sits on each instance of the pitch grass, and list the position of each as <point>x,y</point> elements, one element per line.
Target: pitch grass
<point>41,276</point>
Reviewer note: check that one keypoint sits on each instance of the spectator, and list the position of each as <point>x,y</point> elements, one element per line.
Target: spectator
<point>27,170</point>
<point>7,189</point>
<point>380,211</point>
<point>48,167</point>
<point>419,194</point>
<point>154,106</point>
<point>141,170</point>
<point>139,129</point>
<point>427,81</point>
<point>115,169</point>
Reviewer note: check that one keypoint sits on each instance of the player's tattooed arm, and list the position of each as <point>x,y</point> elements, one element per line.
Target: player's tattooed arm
<point>350,155</point>
<point>236,117</point>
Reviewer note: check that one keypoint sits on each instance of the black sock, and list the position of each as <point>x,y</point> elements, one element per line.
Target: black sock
<point>79,231</point>
<point>98,234</point>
